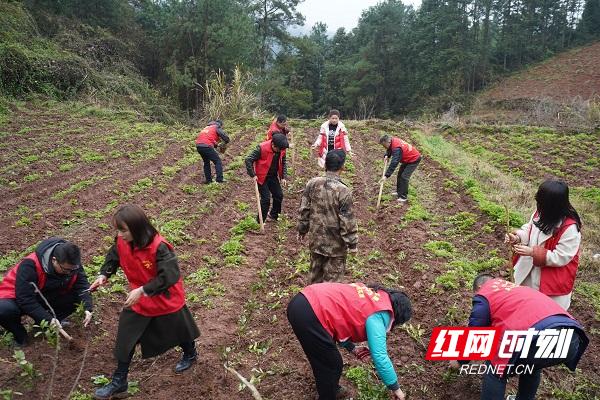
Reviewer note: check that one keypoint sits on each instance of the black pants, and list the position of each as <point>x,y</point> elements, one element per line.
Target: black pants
<point>271,186</point>
<point>404,173</point>
<point>189,349</point>
<point>318,345</point>
<point>10,314</point>
<point>209,154</point>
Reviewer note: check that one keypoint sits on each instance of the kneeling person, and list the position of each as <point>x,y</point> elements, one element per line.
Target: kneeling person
<point>55,270</point>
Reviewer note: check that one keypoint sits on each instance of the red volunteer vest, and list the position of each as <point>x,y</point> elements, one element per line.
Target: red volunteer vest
<point>262,165</point>
<point>514,307</point>
<point>343,309</point>
<point>274,128</point>
<point>139,266</point>
<point>409,153</point>
<point>338,142</point>
<point>208,136</point>
<point>7,287</point>
<point>557,281</point>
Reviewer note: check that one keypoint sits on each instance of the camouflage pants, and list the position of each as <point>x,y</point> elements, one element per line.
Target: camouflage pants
<point>326,269</point>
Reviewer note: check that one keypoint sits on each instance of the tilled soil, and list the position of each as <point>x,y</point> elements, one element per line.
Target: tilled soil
<point>244,324</point>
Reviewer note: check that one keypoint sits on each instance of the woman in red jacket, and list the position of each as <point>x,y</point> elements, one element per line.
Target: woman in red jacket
<point>154,314</point>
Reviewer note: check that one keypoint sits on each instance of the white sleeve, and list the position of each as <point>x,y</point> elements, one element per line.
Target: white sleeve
<point>566,249</point>
<point>524,231</point>
<point>317,142</point>
<point>347,142</point>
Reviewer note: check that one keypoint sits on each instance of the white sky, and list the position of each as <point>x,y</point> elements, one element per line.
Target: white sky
<point>337,13</point>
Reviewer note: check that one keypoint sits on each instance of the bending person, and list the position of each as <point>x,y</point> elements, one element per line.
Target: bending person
<point>324,314</point>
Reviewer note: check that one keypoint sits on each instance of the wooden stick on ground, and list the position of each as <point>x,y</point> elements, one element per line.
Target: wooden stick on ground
<point>250,386</point>
<point>260,217</point>
<point>385,160</point>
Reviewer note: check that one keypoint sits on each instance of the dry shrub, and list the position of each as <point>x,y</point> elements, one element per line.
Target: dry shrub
<point>230,100</point>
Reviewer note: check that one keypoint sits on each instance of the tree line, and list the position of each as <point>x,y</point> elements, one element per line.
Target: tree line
<point>397,60</point>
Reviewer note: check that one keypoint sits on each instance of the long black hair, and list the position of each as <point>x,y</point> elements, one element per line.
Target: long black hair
<point>400,304</point>
<point>553,205</point>
<point>132,217</point>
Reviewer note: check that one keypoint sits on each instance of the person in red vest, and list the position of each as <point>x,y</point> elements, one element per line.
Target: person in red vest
<point>267,165</point>
<point>278,125</point>
<point>155,314</point>
<point>502,304</point>
<point>206,142</point>
<point>332,136</point>
<point>400,152</point>
<point>547,247</point>
<point>325,314</point>
<point>54,268</point>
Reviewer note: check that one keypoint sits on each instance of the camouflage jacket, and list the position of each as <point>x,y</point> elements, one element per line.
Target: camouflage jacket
<point>326,214</point>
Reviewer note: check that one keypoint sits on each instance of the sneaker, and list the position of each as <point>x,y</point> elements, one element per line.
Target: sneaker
<point>402,200</point>
<point>207,182</point>
<point>270,218</point>
<point>511,397</point>
<point>221,181</point>
<point>395,194</point>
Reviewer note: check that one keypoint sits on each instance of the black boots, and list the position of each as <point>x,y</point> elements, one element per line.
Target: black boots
<point>186,361</point>
<point>116,389</point>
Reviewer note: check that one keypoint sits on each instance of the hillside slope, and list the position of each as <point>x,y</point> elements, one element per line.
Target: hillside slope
<point>563,90</point>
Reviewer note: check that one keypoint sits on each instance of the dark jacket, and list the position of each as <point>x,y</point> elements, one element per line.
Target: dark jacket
<point>255,156</point>
<point>222,135</point>
<point>32,304</point>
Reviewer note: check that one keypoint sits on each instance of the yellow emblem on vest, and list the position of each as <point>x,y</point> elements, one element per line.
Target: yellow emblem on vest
<point>147,264</point>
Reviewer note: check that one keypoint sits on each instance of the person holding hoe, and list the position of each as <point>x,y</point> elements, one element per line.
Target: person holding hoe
<point>267,165</point>
<point>400,152</point>
<point>207,141</point>
<point>332,136</point>
<point>326,214</point>
<point>51,273</point>
<point>154,314</point>
<point>547,247</point>
<point>325,314</point>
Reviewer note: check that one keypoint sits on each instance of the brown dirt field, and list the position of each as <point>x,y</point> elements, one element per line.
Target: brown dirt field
<point>257,291</point>
<point>570,74</point>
